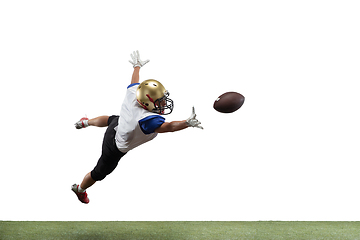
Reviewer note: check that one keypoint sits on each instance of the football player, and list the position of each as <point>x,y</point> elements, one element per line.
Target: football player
<point>141,119</point>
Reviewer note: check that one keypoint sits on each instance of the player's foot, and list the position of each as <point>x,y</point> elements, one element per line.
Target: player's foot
<point>82,123</point>
<point>81,196</point>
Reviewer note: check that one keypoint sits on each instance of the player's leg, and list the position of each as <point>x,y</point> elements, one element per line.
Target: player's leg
<point>87,182</point>
<point>101,121</point>
<point>106,164</point>
<point>110,156</point>
<point>80,190</point>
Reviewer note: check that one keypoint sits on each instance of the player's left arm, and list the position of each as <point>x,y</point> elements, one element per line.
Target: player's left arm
<point>172,126</point>
<point>180,125</point>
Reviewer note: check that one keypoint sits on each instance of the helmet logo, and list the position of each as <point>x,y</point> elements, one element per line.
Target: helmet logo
<point>151,100</point>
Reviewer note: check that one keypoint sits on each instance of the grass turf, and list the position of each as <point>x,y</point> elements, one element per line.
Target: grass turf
<point>179,230</point>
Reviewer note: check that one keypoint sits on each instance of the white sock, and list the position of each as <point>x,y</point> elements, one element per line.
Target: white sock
<point>86,123</point>
<point>80,189</point>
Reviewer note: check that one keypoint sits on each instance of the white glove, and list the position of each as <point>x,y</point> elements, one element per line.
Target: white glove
<point>192,121</point>
<point>136,62</point>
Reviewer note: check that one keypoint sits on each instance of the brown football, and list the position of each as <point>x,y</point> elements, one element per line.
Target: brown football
<point>229,102</point>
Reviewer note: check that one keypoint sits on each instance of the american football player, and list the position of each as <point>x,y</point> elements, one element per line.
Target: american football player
<point>141,119</point>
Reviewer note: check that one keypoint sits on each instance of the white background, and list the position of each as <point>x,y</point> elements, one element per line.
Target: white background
<point>290,153</point>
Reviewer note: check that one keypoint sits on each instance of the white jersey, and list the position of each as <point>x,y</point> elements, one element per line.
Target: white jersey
<point>136,125</point>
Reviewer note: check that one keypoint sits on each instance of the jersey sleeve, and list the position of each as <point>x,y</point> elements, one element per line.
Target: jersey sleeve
<point>150,123</point>
<point>133,84</point>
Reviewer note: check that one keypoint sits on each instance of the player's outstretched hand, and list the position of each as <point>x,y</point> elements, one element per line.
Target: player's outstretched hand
<point>192,121</point>
<point>136,61</point>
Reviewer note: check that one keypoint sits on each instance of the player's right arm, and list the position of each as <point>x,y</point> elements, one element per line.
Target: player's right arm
<point>137,64</point>
<point>136,75</point>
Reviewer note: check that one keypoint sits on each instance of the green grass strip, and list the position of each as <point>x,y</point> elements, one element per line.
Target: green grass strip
<point>179,230</point>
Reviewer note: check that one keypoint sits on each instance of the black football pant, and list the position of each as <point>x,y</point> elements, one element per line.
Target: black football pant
<point>110,155</point>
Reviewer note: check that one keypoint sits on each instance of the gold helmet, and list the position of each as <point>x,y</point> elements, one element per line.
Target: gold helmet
<point>152,96</point>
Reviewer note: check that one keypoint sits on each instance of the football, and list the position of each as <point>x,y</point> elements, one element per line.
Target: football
<point>229,102</point>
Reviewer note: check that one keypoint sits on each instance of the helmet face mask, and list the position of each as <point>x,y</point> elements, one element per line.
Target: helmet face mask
<point>164,105</point>
<point>152,96</point>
